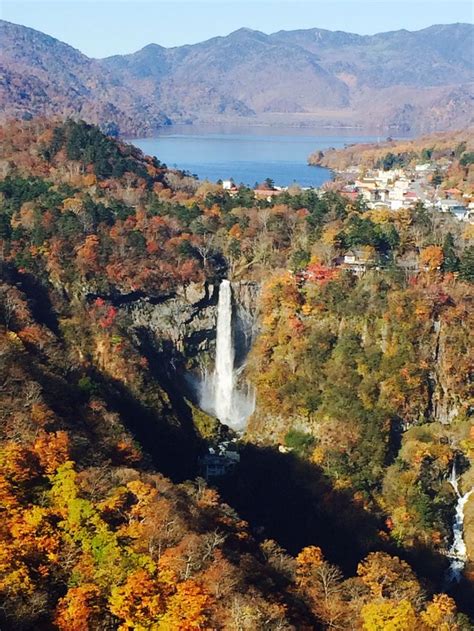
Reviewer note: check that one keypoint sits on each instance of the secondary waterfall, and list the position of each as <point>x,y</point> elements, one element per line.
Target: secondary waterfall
<point>224,372</point>
<point>457,552</point>
<point>220,392</point>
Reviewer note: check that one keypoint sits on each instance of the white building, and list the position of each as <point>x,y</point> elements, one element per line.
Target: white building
<point>461,212</point>
<point>424,168</point>
<point>450,205</point>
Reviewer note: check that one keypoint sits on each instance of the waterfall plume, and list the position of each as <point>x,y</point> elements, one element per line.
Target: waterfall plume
<point>221,392</point>
<point>224,371</point>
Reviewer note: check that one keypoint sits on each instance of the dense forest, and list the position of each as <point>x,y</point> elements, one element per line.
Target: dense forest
<point>339,514</point>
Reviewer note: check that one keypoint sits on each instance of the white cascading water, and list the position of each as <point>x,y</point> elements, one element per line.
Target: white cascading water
<point>453,481</point>
<point>224,371</point>
<point>457,552</point>
<point>219,393</point>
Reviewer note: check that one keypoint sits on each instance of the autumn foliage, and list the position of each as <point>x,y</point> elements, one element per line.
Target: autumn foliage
<point>105,523</point>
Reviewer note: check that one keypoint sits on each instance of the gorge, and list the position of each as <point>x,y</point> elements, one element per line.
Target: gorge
<point>121,291</point>
<point>224,320</point>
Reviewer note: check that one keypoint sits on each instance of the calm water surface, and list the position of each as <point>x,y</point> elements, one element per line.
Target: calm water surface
<point>248,154</point>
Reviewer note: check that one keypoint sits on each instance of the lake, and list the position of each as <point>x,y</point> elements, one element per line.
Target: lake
<point>248,154</point>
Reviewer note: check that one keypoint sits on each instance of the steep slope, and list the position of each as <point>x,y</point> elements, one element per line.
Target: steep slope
<point>40,75</point>
<point>454,145</point>
<point>407,80</point>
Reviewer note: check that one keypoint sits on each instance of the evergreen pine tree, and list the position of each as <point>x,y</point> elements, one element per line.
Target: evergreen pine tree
<point>451,260</point>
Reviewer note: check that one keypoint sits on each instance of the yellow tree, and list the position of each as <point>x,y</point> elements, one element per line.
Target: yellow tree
<point>52,450</point>
<point>440,613</point>
<point>389,577</point>
<point>389,616</point>
<point>307,562</point>
<point>79,610</point>
<point>186,609</point>
<point>432,257</point>
<point>139,602</point>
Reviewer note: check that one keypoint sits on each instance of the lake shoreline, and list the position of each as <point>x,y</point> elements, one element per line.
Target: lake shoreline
<point>248,154</point>
<point>296,124</point>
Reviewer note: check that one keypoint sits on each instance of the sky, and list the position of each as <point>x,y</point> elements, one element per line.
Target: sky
<point>100,28</point>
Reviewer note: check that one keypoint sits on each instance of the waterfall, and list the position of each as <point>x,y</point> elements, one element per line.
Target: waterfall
<point>453,481</point>
<point>457,552</point>
<point>224,371</point>
<point>220,394</point>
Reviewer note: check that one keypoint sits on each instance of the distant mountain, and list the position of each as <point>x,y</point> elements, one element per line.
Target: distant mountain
<point>435,56</point>
<point>40,75</point>
<point>418,81</point>
<point>245,73</point>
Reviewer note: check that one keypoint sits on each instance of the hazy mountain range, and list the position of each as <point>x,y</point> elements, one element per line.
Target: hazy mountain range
<point>401,80</point>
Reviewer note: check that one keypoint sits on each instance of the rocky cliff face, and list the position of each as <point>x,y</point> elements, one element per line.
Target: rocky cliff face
<point>183,322</point>
<point>445,403</point>
<point>179,330</point>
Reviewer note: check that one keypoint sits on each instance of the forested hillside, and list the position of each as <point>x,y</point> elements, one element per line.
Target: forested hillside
<point>370,379</point>
<point>109,268</point>
<point>453,152</point>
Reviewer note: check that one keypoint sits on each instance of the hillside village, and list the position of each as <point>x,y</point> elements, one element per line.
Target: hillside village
<point>434,169</point>
<point>401,188</point>
<point>432,174</point>
<point>393,190</point>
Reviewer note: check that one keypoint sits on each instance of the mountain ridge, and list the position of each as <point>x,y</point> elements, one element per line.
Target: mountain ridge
<point>403,80</point>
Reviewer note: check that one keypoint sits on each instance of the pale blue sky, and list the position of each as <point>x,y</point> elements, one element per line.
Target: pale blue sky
<point>106,27</point>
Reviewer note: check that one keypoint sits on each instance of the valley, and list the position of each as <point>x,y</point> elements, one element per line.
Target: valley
<point>125,287</point>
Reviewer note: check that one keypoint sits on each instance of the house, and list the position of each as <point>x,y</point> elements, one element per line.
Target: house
<point>379,205</point>
<point>212,466</point>
<point>399,188</point>
<point>409,263</point>
<point>350,195</point>
<point>396,204</point>
<point>424,168</point>
<point>371,192</point>
<point>229,185</point>
<point>452,192</point>
<point>453,206</point>
<point>388,177</point>
<point>459,210</point>
<point>358,260</point>
<point>410,196</point>
<point>266,193</point>
<point>463,214</point>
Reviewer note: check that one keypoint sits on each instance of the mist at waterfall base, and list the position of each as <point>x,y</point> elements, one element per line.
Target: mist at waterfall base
<point>220,394</point>
<point>457,552</point>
